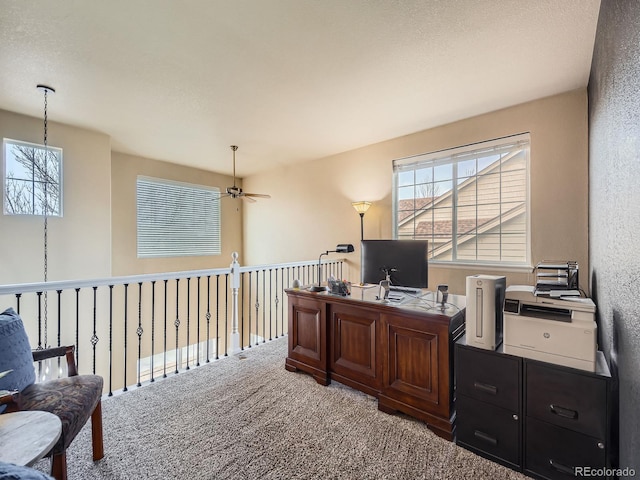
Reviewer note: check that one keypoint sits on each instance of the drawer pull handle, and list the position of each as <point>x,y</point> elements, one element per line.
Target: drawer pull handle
<point>561,468</point>
<point>563,412</point>
<point>485,388</point>
<point>487,438</point>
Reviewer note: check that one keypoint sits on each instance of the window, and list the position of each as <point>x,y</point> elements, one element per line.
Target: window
<point>471,203</point>
<point>177,219</point>
<point>32,179</point>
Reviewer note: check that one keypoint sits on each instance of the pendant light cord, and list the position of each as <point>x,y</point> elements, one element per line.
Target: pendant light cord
<point>45,206</point>
<point>46,211</point>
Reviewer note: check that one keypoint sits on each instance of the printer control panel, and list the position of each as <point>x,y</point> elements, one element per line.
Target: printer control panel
<point>512,306</point>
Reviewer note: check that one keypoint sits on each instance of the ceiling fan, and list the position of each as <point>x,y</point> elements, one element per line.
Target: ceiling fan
<point>236,192</point>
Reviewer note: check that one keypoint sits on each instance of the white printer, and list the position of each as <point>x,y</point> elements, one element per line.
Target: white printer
<point>555,330</point>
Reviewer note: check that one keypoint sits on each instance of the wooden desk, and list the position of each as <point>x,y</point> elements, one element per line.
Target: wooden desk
<point>26,437</point>
<point>401,353</point>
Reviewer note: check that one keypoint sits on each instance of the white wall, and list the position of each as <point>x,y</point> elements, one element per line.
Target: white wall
<point>79,243</point>
<point>124,172</point>
<point>310,210</point>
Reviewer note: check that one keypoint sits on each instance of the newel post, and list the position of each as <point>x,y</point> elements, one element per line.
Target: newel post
<point>235,285</point>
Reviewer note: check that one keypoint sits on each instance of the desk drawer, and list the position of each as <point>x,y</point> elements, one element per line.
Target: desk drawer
<point>554,452</point>
<point>488,376</point>
<point>565,398</point>
<point>492,430</point>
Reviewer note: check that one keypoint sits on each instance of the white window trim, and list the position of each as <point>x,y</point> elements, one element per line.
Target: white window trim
<point>445,156</point>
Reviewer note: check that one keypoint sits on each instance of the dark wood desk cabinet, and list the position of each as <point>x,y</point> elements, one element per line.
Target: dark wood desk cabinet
<point>401,354</point>
<point>543,419</point>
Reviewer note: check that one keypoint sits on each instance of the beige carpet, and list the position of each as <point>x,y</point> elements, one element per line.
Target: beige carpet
<point>246,417</point>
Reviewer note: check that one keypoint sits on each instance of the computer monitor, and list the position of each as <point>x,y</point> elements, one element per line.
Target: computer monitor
<point>407,257</point>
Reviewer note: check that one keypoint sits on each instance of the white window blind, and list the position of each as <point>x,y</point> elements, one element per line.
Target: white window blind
<point>177,219</point>
<point>471,203</point>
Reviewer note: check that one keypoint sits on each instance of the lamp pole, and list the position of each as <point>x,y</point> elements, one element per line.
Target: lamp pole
<point>361,225</point>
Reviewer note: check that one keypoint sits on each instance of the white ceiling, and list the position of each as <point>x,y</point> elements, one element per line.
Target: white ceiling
<point>286,80</point>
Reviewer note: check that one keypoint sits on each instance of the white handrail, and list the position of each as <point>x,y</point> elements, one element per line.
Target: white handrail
<point>12,289</point>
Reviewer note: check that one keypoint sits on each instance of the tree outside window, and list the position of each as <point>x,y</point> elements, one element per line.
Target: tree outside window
<point>32,180</point>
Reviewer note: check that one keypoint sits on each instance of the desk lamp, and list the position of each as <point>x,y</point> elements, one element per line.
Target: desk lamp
<point>341,248</point>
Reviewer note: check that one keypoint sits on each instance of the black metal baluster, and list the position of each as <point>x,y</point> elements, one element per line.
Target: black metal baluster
<point>226,314</point>
<point>188,318</point>
<point>77,326</point>
<point>153,328</point>
<point>59,294</point>
<point>217,315</point>
<point>177,321</point>
<point>277,300</point>
<point>270,305</point>
<point>110,340</point>
<point>139,331</point>
<point>249,310</point>
<point>126,314</point>
<point>164,367</point>
<point>18,295</point>
<point>208,314</point>
<point>285,298</point>
<point>94,337</point>
<point>264,306</point>
<point>198,329</point>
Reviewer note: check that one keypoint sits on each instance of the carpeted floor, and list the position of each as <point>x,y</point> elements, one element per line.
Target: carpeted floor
<point>246,417</point>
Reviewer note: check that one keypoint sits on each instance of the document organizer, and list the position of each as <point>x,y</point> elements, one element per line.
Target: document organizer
<point>556,275</point>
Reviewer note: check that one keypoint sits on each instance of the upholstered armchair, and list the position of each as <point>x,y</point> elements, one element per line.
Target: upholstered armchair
<point>73,399</point>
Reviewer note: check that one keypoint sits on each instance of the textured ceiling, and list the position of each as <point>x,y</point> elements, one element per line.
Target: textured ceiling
<point>286,80</point>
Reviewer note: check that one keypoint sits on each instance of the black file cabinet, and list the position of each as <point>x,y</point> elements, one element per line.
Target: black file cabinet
<point>542,419</point>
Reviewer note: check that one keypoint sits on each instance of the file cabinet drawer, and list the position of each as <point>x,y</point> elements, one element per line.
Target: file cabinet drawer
<point>488,376</point>
<point>555,453</point>
<point>495,431</point>
<point>567,398</point>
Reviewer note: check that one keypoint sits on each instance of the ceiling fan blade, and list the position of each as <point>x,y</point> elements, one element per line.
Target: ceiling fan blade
<point>257,195</point>
<point>248,199</point>
<point>221,196</point>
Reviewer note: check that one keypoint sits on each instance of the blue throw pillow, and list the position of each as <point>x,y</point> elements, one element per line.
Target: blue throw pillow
<point>15,353</point>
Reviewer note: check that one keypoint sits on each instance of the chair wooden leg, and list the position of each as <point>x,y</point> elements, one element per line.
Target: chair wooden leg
<point>96,432</point>
<point>59,466</point>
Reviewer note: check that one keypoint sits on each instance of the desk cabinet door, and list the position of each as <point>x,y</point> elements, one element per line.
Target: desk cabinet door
<point>308,333</point>
<point>416,363</point>
<point>354,348</point>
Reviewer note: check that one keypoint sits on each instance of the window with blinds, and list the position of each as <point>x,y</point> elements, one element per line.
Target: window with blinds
<point>471,203</point>
<point>177,219</point>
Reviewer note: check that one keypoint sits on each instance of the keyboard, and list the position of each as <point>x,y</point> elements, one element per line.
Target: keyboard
<point>397,288</point>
